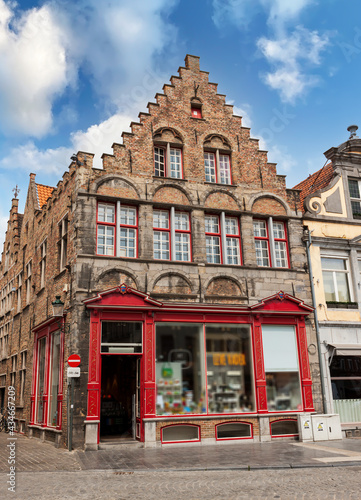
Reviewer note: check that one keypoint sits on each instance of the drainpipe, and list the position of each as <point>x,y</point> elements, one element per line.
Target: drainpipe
<point>323,390</point>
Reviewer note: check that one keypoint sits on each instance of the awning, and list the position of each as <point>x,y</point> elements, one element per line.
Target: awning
<point>346,349</point>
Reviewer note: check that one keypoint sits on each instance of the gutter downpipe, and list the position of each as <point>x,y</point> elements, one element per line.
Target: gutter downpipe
<point>323,390</point>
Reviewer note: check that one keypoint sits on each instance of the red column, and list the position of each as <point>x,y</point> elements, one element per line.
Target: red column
<point>149,367</point>
<point>261,393</point>
<point>94,368</point>
<point>306,382</point>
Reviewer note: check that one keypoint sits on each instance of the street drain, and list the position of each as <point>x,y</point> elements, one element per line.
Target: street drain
<point>122,473</point>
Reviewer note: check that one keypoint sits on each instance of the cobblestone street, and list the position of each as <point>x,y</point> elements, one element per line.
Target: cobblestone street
<point>285,470</point>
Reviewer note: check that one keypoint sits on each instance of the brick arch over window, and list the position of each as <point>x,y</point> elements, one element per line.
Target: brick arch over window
<point>171,193</point>
<point>115,185</point>
<point>115,276</point>
<point>268,204</point>
<point>224,285</point>
<point>222,199</point>
<point>172,283</point>
<point>168,134</point>
<point>217,141</point>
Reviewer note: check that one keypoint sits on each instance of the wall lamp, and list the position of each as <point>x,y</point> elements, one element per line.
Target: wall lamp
<point>58,312</point>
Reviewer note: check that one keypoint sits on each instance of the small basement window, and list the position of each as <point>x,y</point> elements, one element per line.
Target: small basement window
<point>285,427</point>
<point>233,430</point>
<point>180,433</point>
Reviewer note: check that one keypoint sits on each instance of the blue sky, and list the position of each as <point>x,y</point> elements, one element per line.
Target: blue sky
<point>73,75</point>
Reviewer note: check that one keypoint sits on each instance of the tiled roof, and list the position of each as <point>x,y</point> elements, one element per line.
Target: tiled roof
<point>314,182</point>
<point>43,193</point>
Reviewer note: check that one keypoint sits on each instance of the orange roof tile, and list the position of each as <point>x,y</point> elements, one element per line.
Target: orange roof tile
<point>43,193</point>
<point>314,182</point>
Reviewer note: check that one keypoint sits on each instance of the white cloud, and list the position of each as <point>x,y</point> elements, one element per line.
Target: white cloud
<point>289,56</point>
<point>33,69</point>
<point>245,112</point>
<point>3,229</point>
<point>285,161</point>
<point>236,12</point>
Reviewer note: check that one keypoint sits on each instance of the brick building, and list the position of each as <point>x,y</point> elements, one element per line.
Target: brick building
<point>184,280</point>
<point>331,203</point>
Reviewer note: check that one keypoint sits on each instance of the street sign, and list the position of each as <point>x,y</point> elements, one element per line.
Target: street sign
<point>73,372</point>
<point>74,360</point>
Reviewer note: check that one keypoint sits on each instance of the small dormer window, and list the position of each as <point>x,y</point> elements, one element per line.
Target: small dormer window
<point>355,197</point>
<point>196,111</point>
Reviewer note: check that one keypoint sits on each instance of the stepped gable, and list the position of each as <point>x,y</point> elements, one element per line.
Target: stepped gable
<point>314,182</point>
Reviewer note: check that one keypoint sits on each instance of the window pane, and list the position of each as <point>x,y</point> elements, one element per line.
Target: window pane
<point>283,391</point>
<point>127,242</point>
<point>161,245</point>
<point>54,381</point>
<point>280,349</point>
<point>328,286</point>
<point>213,249</point>
<point>356,207</point>
<point>182,247</point>
<point>232,225</point>
<point>180,372</point>
<point>159,163</point>
<point>121,337</point>
<point>105,244</point>
<point>342,287</point>
<point>259,229</point>
<point>175,163</point>
<point>128,216</point>
<point>106,213</point>
<point>279,230</point>
<point>337,264</point>
<point>161,219</point>
<point>210,167</point>
<point>281,254</point>
<point>262,255</point>
<point>232,248</point>
<point>225,169</point>
<point>181,221</point>
<point>353,188</point>
<point>212,224</point>
<point>229,369</point>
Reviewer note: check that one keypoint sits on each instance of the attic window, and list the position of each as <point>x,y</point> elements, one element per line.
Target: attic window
<point>196,110</point>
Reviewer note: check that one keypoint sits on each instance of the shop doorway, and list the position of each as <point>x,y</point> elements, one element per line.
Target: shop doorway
<point>119,397</point>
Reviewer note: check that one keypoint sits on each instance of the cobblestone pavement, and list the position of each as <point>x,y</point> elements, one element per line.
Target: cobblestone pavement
<point>341,483</point>
<point>286,470</point>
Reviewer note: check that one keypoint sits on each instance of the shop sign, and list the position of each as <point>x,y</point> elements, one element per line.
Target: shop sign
<point>228,359</point>
<point>73,372</point>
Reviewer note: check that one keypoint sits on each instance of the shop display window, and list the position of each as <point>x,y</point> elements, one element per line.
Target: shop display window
<point>180,373</point>
<point>229,369</point>
<point>281,367</point>
<point>54,379</point>
<point>41,380</point>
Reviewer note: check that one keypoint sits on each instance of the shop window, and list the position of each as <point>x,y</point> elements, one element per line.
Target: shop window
<point>121,337</point>
<point>281,367</point>
<point>168,162</point>
<point>42,264</point>
<point>355,197</point>
<point>171,235</point>
<point>284,427</point>
<point>223,244</point>
<point>345,372</point>
<point>233,430</point>
<point>229,369</point>
<point>114,238</point>
<point>47,387</point>
<point>271,243</point>
<point>217,167</point>
<point>180,371</point>
<point>336,279</point>
<point>63,243</point>
<point>180,432</point>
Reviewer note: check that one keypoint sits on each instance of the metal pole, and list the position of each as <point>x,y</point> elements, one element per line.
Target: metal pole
<point>323,390</point>
<point>70,441</point>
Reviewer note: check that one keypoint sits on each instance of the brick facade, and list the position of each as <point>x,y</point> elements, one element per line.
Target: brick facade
<point>254,191</point>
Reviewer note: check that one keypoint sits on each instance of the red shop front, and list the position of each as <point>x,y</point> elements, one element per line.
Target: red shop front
<point>166,372</point>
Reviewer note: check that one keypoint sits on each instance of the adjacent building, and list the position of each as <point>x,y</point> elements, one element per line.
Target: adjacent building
<point>183,274</point>
<point>331,201</point>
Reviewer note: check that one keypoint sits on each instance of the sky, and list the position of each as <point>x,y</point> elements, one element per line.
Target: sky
<point>74,74</point>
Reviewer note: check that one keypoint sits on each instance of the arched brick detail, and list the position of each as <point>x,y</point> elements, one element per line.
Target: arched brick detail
<point>224,286</point>
<point>221,199</point>
<point>259,203</point>
<point>115,185</point>
<point>175,283</point>
<point>114,276</point>
<point>171,194</point>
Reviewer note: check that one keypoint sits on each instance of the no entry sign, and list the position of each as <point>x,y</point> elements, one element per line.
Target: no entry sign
<point>74,360</point>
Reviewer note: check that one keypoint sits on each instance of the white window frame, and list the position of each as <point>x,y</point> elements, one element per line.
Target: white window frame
<point>28,281</point>
<point>20,286</point>
<point>272,242</point>
<point>176,240</point>
<point>13,362</point>
<point>225,240</point>
<point>347,272</point>
<point>353,199</point>
<point>63,241</point>
<point>43,249</point>
<point>168,167</point>
<point>22,372</point>
<point>218,171</point>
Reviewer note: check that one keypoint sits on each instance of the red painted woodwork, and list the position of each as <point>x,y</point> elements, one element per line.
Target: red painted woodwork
<point>127,304</point>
